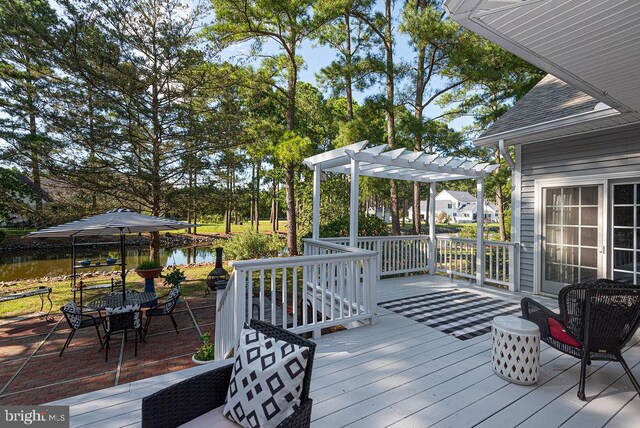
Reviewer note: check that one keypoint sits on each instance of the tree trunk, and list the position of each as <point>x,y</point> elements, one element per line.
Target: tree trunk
<point>292,237</point>
<point>257,197</point>
<point>227,216</point>
<point>35,156</point>
<point>348,71</point>
<point>395,219</point>
<point>418,112</point>
<point>156,185</point>
<point>274,209</point>
<point>251,201</point>
<point>289,169</point>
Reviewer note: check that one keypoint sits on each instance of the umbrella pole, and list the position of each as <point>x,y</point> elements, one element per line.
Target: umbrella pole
<point>123,271</point>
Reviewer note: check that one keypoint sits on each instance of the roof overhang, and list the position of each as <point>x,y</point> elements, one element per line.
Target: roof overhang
<point>577,124</point>
<point>398,164</point>
<point>593,45</point>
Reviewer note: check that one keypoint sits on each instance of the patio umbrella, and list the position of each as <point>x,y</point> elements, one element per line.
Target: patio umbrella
<point>111,223</point>
<point>116,222</point>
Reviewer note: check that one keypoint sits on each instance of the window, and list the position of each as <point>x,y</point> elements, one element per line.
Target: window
<point>449,206</point>
<point>570,235</point>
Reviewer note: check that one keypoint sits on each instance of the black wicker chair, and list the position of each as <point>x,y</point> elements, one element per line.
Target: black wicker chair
<point>163,309</point>
<point>77,319</point>
<point>596,321</point>
<point>185,401</point>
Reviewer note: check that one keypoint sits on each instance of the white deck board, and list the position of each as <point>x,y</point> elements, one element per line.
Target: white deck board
<point>400,373</point>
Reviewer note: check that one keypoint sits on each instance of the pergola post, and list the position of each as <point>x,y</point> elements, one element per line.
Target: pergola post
<point>315,234</point>
<point>432,228</point>
<point>353,206</point>
<point>480,272</point>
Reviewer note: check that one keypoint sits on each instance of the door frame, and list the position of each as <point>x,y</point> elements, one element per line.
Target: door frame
<point>578,180</point>
<point>600,248</point>
<point>635,179</point>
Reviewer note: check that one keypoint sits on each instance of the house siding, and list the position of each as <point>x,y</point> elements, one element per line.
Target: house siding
<point>605,152</point>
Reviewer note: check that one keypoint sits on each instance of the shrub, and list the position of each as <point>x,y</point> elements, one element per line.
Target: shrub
<point>175,277</point>
<point>206,351</point>
<point>367,226</point>
<point>442,217</point>
<point>251,245</point>
<point>148,264</point>
<point>3,235</point>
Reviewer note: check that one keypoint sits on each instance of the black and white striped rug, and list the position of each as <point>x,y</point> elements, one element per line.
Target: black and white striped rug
<point>459,313</point>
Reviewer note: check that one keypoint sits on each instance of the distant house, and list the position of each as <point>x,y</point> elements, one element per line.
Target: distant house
<point>460,206</point>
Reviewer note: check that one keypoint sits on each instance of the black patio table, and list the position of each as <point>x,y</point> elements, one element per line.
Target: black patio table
<point>115,300</point>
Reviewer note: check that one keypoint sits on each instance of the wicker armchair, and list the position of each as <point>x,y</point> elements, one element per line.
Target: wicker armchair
<point>596,321</point>
<point>184,401</point>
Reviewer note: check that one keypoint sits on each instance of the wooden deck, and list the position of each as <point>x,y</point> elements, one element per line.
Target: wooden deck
<point>400,372</point>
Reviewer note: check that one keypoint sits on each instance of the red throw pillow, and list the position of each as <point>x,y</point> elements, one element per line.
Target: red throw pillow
<point>559,333</point>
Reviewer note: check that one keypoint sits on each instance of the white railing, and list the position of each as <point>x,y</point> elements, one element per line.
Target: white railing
<point>397,254</point>
<point>500,263</point>
<point>330,285</point>
<point>226,319</point>
<point>457,257</point>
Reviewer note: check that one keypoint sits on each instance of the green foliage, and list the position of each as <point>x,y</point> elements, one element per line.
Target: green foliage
<point>507,223</point>
<point>13,193</point>
<point>3,235</point>
<point>207,351</point>
<point>148,264</point>
<point>251,245</point>
<point>367,226</point>
<point>292,148</point>
<point>442,217</point>
<point>175,277</point>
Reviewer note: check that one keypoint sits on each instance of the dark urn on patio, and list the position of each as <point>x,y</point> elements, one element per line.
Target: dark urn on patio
<point>218,277</point>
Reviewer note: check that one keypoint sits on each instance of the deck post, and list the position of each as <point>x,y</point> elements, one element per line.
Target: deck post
<point>480,273</point>
<point>240,304</point>
<point>353,206</point>
<point>432,228</point>
<point>316,202</point>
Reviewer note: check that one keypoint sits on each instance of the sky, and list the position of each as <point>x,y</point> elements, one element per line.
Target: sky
<point>316,57</point>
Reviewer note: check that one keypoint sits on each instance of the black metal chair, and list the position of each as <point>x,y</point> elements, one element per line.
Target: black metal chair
<point>596,321</point>
<point>163,309</point>
<point>77,319</point>
<point>122,319</point>
<point>185,401</point>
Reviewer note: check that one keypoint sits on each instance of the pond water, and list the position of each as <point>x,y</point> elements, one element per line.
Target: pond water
<point>23,265</point>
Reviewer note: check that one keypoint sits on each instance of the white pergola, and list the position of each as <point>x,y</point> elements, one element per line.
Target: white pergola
<point>399,164</point>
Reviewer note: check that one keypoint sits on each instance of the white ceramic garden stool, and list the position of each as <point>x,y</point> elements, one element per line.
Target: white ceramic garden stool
<point>515,354</point>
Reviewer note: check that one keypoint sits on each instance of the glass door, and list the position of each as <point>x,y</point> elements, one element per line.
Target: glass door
<point>572,236</point>
<point>626,233</point>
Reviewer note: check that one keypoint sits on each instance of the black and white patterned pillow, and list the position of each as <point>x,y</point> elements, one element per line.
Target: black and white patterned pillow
<point>266,381</point>
<point>73,314</point>
<point>123,310</point>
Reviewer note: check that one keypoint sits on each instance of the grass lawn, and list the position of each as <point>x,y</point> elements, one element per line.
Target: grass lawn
<point>61,292</point>
<point>16,231</point>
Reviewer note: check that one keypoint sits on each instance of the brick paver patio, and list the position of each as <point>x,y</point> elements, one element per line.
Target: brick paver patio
<point>31,372</point>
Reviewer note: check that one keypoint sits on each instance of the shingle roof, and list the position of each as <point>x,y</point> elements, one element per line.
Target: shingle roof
<point>461,196</point>
<point>550,99</point>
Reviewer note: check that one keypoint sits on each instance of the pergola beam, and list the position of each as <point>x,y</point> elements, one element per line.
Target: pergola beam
<point>399,158</point>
